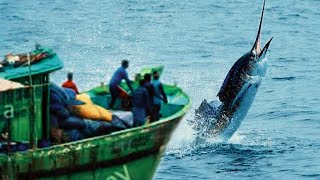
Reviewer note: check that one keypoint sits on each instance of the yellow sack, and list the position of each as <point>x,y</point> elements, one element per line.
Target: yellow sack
<point>90,110</point>
<point>84,98</point>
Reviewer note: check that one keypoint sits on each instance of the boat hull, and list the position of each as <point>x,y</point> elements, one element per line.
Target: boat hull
<point>141,168</point>
<point>130,154</point>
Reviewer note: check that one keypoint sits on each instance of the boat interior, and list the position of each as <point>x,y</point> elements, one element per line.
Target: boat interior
<point>177,100</point>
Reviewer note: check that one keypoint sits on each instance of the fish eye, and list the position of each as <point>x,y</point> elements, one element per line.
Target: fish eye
<point>252,54</point>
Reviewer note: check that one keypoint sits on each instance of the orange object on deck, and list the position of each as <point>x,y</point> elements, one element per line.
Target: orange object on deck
<point>123,93</point>
<point>91,110</point>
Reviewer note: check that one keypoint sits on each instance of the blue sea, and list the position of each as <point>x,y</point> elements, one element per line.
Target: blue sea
<point>198,42</point>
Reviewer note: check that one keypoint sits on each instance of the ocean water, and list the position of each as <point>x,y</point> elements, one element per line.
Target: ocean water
<point>198,42</point>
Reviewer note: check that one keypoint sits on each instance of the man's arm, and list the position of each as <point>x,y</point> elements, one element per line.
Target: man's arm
<point>163,94</point>
<point>126,78</point>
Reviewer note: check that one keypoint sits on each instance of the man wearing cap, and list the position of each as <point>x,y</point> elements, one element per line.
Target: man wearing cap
<point>116,79</point>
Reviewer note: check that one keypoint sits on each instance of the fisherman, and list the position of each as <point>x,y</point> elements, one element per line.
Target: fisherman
<point>150,90</point>
<point>70,84</point>
<point>140,104</point>
<point>159,95</point>
<point>116,79</point>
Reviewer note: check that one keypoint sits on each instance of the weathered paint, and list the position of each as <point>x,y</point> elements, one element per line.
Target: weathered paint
<point>9,111</point>
<point>138,149</point>
<point>130,154</point>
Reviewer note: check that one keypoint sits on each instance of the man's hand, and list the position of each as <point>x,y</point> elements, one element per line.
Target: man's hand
<point>166,100</point>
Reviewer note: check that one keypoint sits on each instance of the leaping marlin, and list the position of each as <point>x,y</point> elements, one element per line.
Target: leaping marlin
<point>237,92</point>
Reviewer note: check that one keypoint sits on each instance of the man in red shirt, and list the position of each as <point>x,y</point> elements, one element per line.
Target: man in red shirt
<point>70,84</point>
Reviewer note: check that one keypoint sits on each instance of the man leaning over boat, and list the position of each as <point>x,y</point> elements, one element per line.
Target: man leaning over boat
<point>115,81</point>
<point>154,89</point>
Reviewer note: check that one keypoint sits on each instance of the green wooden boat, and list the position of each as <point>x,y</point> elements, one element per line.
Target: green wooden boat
<point>131,154</point>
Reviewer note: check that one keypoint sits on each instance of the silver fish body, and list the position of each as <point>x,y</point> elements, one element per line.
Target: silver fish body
<point>237,92</point>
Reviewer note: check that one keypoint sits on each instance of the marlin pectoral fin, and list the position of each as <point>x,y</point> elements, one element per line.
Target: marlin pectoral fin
<point>239,97</point>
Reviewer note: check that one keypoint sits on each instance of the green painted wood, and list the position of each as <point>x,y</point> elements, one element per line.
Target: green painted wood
<point>130,154</point>
<point>47,65</point>
<point>138,149</point>
<point>20,99</point>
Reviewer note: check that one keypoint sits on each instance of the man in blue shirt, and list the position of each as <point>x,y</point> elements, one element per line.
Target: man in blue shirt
<point>140,104</point>
<point>151,92</point>
<point>159,95</point>
<point>116,79</point>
